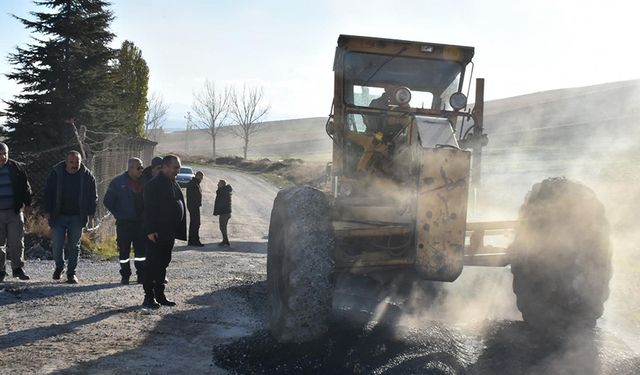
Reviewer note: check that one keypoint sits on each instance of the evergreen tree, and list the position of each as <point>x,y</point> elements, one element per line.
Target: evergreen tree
<point>64,74</point>
<point>131,82</point>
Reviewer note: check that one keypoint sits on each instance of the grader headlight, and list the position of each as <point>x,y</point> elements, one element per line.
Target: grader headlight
<point>401,96</point>
<point>458,101</point>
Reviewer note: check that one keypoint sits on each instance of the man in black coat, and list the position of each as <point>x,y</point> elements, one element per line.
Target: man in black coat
<point>222,207</point>
<point>164,221</point>
<point>194,201</point>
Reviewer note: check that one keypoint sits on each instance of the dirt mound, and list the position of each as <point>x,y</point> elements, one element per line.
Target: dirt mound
<point>346,350</point>
<point>289,171</point>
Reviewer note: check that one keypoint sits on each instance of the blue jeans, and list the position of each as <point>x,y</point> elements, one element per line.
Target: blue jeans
<point>71,226</point>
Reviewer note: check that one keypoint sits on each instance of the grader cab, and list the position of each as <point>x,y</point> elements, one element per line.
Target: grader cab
<point>407,152</point>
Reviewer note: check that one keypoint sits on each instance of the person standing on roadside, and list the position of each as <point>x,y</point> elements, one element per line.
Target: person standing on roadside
<point>15,193</point>
<point>222,207</point>
<point>151,171</point>
<point>164,220</point>
<point>147,174</point>
<point>194,201</point>
<point>124,200</point>
<point>70,197</point>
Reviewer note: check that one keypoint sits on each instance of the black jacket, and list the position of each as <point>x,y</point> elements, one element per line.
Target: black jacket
<point>53,192</point>
<point>223,200</point>
<point>162,212</point>
<point>194,194</point>
<point>147,175</point>
<point>20,184</point>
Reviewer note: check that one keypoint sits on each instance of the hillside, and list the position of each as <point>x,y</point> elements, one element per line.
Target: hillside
<point>556,126</point>
<point>298,138</point>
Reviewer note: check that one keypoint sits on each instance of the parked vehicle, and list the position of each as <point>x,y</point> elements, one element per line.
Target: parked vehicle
<point>185,175</point>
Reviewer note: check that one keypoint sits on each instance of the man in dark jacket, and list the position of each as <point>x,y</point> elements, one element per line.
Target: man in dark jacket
<point>222,207</point>
<point>70,197</point>
<point>15,193</point>
<point>164,221</point>
<point>194,201</point>
<point>124,199</point>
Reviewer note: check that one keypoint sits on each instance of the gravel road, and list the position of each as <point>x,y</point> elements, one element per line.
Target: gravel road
<point>219,325</point>
<point>98,326</point>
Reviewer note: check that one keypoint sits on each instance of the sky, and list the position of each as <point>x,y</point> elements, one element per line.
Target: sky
<point>287,47</point>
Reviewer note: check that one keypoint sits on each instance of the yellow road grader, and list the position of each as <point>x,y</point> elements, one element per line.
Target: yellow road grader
<point>407,151</point>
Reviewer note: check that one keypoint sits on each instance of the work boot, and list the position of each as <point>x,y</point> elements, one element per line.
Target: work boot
<point>57,273</point>
<point>196,243</point>
<point>124,280</point>
<point>2,275</point>
<point>164,301</point>
<point>19,273</point>
<point>150,302</point>
<point>72,279</point>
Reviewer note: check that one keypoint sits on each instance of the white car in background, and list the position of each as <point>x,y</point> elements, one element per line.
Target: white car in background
<point>184,176</point>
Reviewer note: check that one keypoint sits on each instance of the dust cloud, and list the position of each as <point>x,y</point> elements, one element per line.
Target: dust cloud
<point>587,135</point>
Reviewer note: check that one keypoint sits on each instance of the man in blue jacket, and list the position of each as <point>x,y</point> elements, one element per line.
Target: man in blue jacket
<point>70,197</point>
<point>124,199</point>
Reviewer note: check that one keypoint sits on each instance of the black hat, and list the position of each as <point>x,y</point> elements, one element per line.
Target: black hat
<point>156,161</point>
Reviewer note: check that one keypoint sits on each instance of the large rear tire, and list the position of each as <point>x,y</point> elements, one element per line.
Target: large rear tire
<point>561,258</point>
<point>299,264</point>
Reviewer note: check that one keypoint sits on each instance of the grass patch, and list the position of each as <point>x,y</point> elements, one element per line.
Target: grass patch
<point>106,249</point>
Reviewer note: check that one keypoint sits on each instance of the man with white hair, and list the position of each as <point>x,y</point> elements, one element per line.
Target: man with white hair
<point>124,200</point>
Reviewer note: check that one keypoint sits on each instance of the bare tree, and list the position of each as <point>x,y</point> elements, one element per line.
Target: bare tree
<point>210,111</point>
<point>247,111</point>
<point>155,116</point>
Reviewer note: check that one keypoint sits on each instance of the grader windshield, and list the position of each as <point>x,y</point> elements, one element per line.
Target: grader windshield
<point>431,82</point>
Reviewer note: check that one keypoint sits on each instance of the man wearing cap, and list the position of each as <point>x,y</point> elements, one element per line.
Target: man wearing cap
<point>151,171</point>
<point>164,220</point>
<point>124,200</point>
<point>194,201</point>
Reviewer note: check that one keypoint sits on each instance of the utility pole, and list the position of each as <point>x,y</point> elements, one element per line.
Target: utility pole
<point>186,134</point>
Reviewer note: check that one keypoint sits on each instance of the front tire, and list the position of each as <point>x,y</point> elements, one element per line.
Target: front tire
<point>561,258</point>
<point>299,264</point>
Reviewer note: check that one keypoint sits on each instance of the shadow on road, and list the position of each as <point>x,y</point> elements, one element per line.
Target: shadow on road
<point>19,338</point>
<point>181,342</point>
<point>236,246</point>
<point>228,329</point>
<point>20,292</point>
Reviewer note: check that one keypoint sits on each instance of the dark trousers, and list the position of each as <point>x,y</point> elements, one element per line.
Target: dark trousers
<point>158,259</point>
<point>224,220</point>
<point>194,224</point>
<point>130,232</point>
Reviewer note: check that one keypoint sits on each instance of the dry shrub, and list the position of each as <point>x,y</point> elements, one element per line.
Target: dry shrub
<point>37,226</point>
